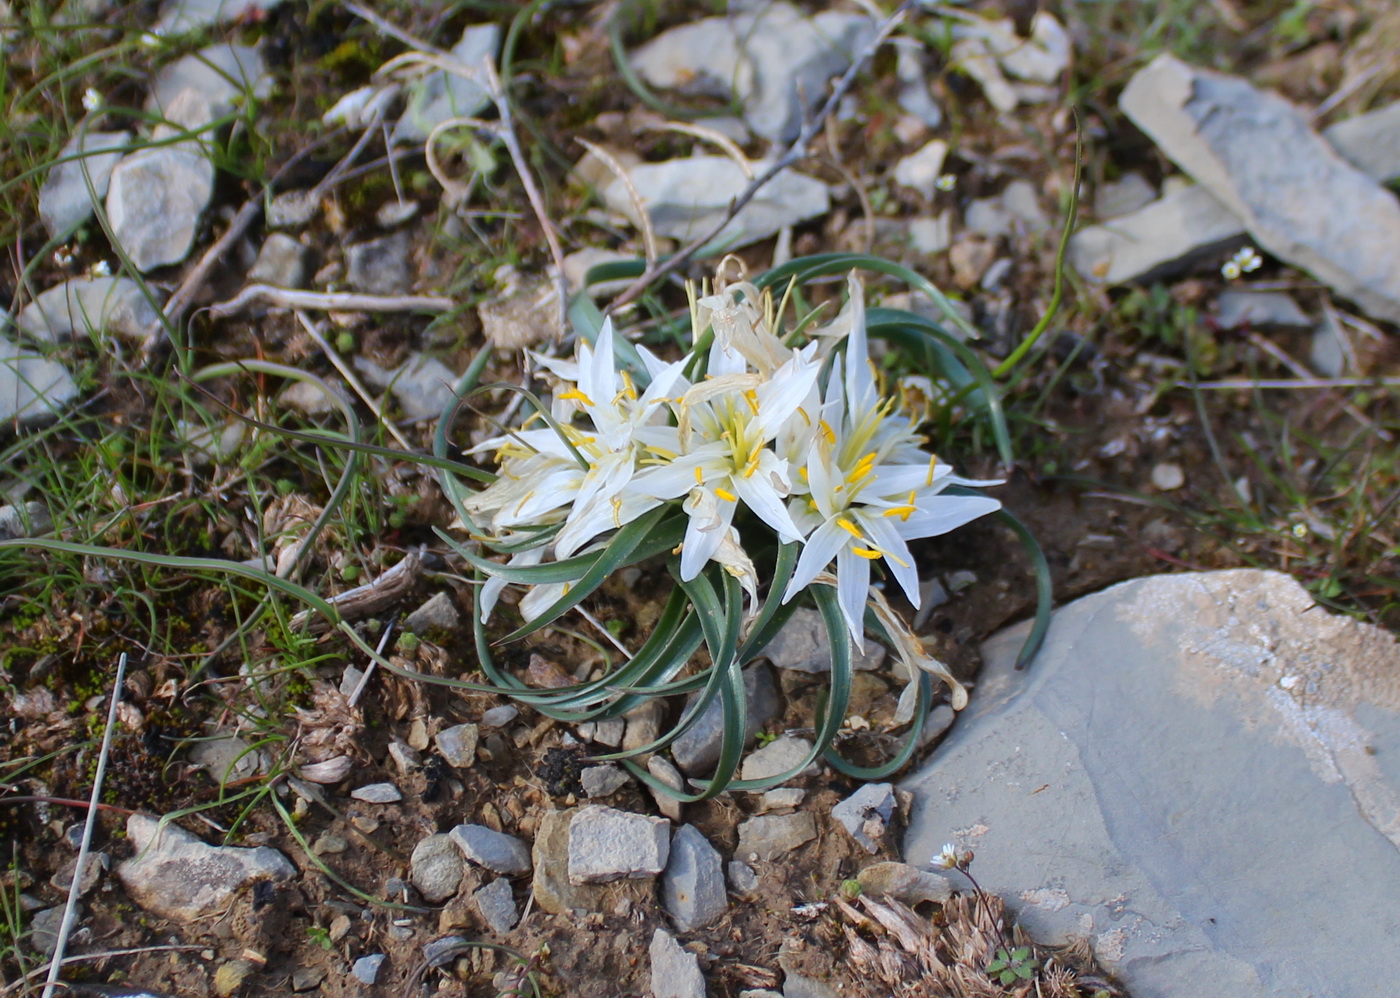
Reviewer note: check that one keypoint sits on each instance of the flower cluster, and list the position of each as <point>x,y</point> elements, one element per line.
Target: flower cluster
<point>800,437</point>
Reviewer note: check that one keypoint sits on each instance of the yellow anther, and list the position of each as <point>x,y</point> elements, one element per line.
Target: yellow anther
<point>617,511</point>
<point>628,388</point>
<point>699,477</point>
<point>803,413</point>
<point>574,395</point>
<point>869,554</point>
<point>827,431</point>
<point>751,397</point>
<point>803,473</point>
<point>726,495</point>
<point>849,527</point>
<point>663,452</point>
<point>932,463</point>
<point>905,511</point>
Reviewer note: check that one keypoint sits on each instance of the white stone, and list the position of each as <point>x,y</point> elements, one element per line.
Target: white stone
<point>686,198</point>
<point>65,201</point>
<point>88,306</point>
<point>32,388</point>
<point>440,95</point>
<point>155,202</point>
<point>920,171</point>
<point>606,844</point>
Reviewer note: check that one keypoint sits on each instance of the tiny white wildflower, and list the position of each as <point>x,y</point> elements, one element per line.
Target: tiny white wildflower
<point>92,100</point>
<point>1246,261</point>
<point>947,859</point>
<point>102,268</point>
<point>946,182</point>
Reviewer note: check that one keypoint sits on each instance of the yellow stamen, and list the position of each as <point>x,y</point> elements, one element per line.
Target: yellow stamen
<point>803,473</point>
<point>617,511</point>
<point>574,395</point>
<point>699,478</point>
<point>905,511</point>
<point>932,463</point>
<point>803,413</point>
<point>849,527</point>
<point>751,397</point>
<point>628,387</point>
<point>869,554</point>
<point>827,431</point>
<point>663,452</point>
<point>726,495</point>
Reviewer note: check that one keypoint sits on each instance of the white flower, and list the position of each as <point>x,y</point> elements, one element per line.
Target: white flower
<point>948,859</point>
<point>588,468</point>
<point>1245,261</point>
<point>870,489</point>
<point>92,100</point>
<point>726,426</point>
<point>102,268</point>
<point>946,181</point>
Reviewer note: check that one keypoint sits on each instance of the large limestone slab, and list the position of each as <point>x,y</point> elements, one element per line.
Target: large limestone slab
<point>1200,774</point>
<point>1259,155</point>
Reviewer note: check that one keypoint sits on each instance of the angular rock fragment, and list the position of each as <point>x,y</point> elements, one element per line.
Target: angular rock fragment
<point>496,851</point>
<point>692,887</point>
<point>675,971</point>
<point>606,844</point>
<point>866,814</point>
<point>768,836</point>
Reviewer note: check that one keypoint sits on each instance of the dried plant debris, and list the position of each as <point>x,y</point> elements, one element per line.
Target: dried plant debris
<point>962,950</point>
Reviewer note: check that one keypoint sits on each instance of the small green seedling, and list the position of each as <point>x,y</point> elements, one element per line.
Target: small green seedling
<point>1008,965</point>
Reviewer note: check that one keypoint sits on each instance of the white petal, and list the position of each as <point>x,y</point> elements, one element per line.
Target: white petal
<point>897,557</point>
<point>942,514</point>
<point>860,380</point>
<point>852,588</point>
<point>710,518</point>
<point>540,598</point>
<point>760,496</point>
<point>821,547</point>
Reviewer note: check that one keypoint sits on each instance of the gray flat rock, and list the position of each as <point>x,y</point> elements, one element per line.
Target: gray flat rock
<point>866,814</point>
<point>439,613</point>
<point>439,95</point>
<point>686,198</point>
<point>780,755</point>
<point>1259,310</point>
<point>457,745</point>
<point>1168,236</point>
<point>435,868</point>
<point>496,902</point>
<point>227,759</point>
<point>1370,142</point>
<point>381,266</point>
<point>777,61</point>
<point>221,74</point>
<point>698,748</point>
<point>366,968</point>
<point>904,883</point>
<point>1198,775</point>
<point>497,851</point>
<point>155,201</point>
<point>606,844</point>
<point>1123,196</point>
<point>88,306</point>
<point>378,793</point>
<point>803,646</point>
<point>65,201</point>
<point>178,17</point>
<point>281,262</point>
<point>768,836</point>
<point>422,386</point>
<point>675,971</point>
<point>32,387</point>
<point>1258,154</point>
<point>692,888</point>
<point>603,781</point>
<point>176,876</point>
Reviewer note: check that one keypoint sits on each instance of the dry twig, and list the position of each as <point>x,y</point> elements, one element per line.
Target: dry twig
<point>344,301</point>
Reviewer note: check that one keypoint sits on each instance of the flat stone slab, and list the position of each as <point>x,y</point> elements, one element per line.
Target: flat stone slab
<point>1200,773</point>
<point>65,202</point>
<point>1259,155</point>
